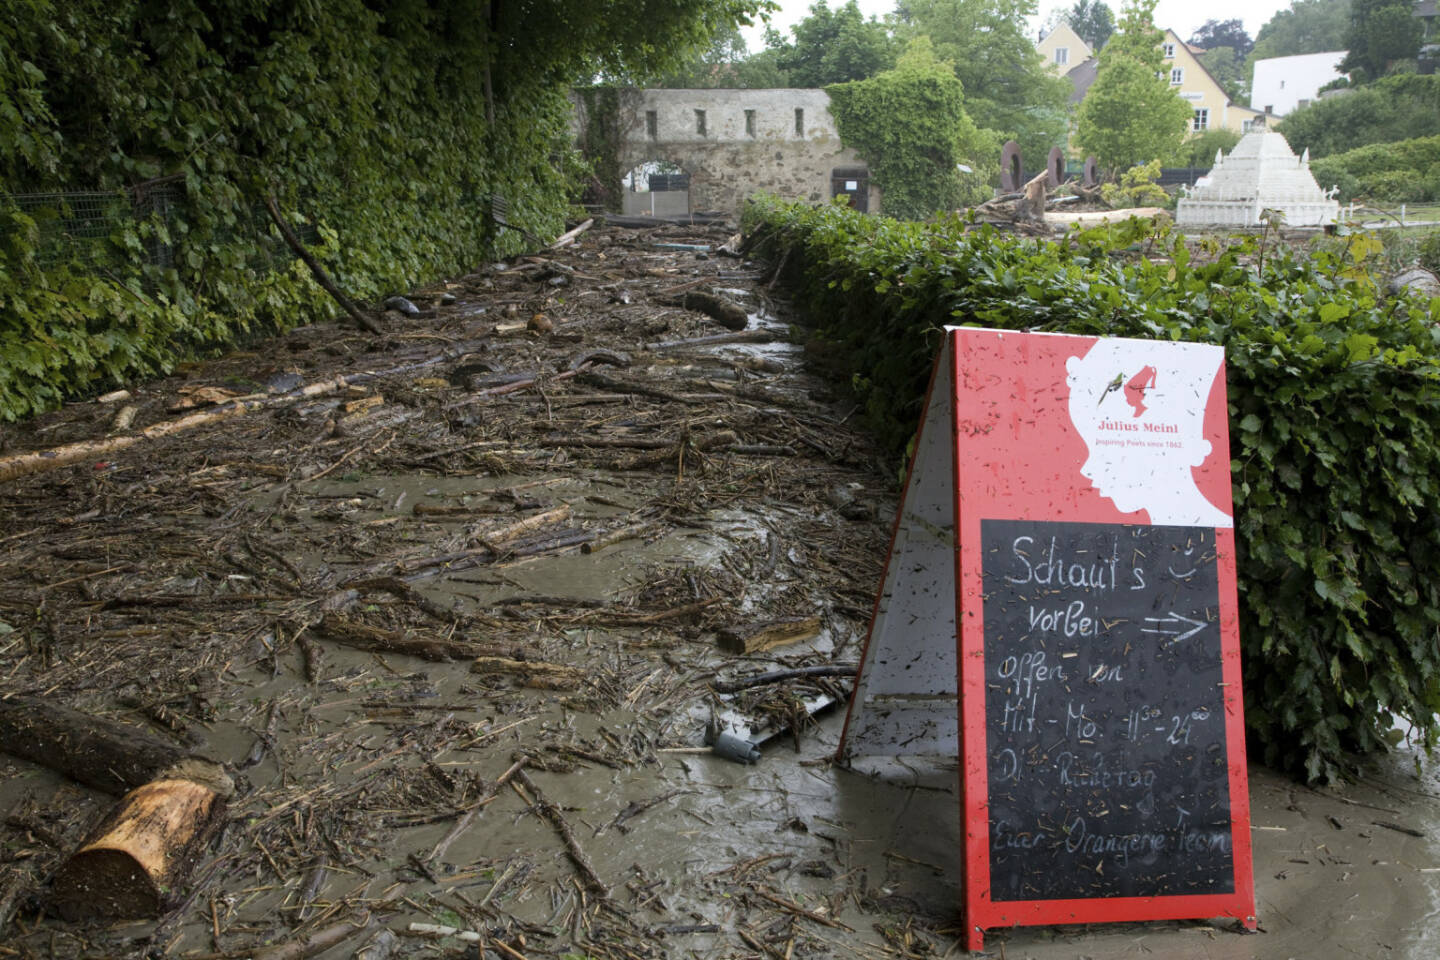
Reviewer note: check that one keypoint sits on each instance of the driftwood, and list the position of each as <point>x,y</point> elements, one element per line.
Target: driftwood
<point>612,537</point>
<point>779,676</point>
<point>759,637</point>
<point>568,237</point>
<point>532,673</point>
<point>723,310</point>
<point>41,461</point>
<point>572,846</point>
<point>745,336</point>
<point>352,633</point>
<point>112,757</point>
<point>321,277</point>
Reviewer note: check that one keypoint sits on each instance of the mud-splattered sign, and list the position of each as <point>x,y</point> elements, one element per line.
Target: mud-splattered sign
<point>1064,561</point>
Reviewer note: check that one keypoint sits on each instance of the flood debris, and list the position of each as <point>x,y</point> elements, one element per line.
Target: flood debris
<point>445,603</point>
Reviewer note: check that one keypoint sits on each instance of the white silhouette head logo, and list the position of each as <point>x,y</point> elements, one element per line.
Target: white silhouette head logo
<point>1140,408</point>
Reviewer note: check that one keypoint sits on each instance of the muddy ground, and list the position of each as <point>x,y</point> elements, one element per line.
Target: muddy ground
<point>518,527</point>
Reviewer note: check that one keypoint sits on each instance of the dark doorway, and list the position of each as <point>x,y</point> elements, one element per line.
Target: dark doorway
<point>852,182</point>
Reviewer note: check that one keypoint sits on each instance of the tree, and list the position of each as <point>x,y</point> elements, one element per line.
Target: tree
<point>1093,21</point>
<point>1223,33</point>
<point>1309,26</point>
<point>910,126</point>
<point>1381,32</point>
<point>1228,69</point>
<point>712,66</point>
<point>834,47</point>
<point>1008,89</point>
<point>1132,115</point>
<point>1393,108</point>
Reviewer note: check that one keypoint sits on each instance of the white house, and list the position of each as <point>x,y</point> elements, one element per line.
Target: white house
<point>1284,84</point>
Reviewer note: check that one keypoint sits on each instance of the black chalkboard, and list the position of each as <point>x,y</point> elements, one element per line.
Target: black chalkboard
<point>1104,712</point>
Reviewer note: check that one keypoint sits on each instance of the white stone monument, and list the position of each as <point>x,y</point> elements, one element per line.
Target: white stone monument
<point>1261,173</point>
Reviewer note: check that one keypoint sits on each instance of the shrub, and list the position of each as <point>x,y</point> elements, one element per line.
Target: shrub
<point>1334,404</point>
<point>1406,171</point>
<point>1391,109</point>
<point>1137,188</point>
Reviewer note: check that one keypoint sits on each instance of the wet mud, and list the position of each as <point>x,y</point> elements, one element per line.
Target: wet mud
<point>452,624</point>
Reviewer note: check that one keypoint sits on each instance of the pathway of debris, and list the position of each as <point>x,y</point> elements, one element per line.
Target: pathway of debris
<point>455,606</point>
<point>482,617</point>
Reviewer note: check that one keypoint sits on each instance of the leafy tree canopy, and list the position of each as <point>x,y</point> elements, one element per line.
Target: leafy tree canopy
<point>1308,26</point>
<point>1093,21</point>
<point>1132,115</point>
<point>911,127</point>
<point>1007,87</point>
<point>1223,33</point>
<point>1199,150</point>
<point>834,46</point>
<point>1381,33</point>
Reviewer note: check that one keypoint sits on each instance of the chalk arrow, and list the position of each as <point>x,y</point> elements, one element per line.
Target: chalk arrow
<point>1175,622</point>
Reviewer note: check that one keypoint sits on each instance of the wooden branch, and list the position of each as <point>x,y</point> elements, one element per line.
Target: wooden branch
<point>353,633</point>
<point>321,277</point>
<point>572,846</point>
<point>567,238</point>
<point>779,676</point>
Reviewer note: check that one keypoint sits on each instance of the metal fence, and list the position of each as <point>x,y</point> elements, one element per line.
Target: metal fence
<point>85,226</point>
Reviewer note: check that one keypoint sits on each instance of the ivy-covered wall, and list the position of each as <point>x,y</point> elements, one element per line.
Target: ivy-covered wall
<point>385,124</point>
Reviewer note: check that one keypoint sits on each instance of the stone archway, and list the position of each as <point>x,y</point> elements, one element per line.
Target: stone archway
<point>657,188</point>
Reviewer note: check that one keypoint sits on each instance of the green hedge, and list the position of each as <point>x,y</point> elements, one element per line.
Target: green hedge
<point>1404,172</point>
<point>1334,405</point>
<point>385,125</point>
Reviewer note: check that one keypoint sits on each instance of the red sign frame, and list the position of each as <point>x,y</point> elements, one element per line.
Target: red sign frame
<point>1014,453</point>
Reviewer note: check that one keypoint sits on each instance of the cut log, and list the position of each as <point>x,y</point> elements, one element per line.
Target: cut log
<point>532,673</point>
<point>612,537</point>
<point>745,336</point>
<point>568,237</point>
<point>131,864</point>
<point>111,757</point>
<point>510,532</point>
<point>759,637</point>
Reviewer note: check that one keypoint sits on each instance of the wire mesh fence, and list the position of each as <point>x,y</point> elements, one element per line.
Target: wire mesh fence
<point>89,228</point>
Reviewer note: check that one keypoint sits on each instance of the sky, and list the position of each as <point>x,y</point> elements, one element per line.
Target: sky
<point>1183,16</point>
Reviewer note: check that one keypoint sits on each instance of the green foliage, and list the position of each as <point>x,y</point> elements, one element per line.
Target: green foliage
<point>1199,150</point>
<point>1308,26</point>
<point>910,126</point>
<point>1008,88</point>
<point>1137,188</point>
<point>1428,252</point>
<point>384,126</point>
<point>1223,33</point>
<point>1334,405</point>
<point>1132,115</point>
<point>1391,109</point>
<point>835,46</point>
<point>1228,68</point>
<point>1381,32</point>
<point>1408,171</point>
<point>1093,21</point>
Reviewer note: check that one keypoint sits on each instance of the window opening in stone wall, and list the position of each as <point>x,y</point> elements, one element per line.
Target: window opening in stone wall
<point>749,123</point>
<point>700,122</point>
<point>799,122</point>
<point>652,124</point>
<point>1202,119</point>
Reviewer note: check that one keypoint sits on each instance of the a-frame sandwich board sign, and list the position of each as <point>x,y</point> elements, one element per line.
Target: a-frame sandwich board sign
<point>1058,611</point>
